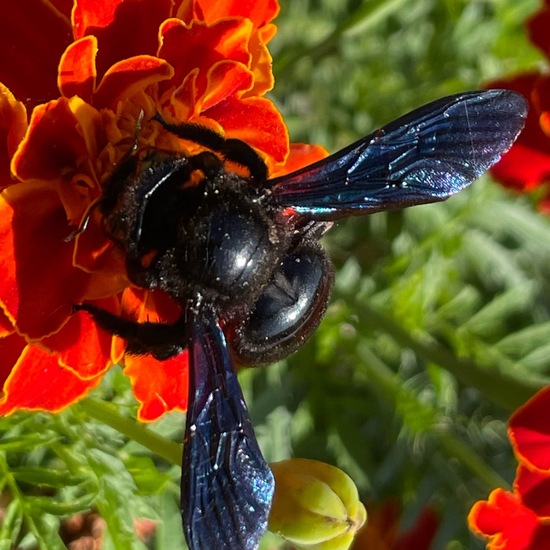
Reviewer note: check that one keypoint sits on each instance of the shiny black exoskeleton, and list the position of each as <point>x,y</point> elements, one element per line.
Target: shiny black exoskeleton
<point>243,260</point>
<point>241,256</point>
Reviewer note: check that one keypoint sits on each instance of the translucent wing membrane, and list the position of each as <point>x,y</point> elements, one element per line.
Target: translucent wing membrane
<point>227,487</point>
<point>422,157</point>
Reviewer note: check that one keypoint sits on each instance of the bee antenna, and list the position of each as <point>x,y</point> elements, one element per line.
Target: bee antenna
<point>139,122</point>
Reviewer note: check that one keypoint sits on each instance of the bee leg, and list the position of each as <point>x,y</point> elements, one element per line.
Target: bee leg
<point>233,150</point>
<point>162,340</point>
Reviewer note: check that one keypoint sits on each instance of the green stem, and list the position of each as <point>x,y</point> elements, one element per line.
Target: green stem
<point>499,387</point>
<point>456,448</point>
<point>109,414</point>
<point>391,385</point>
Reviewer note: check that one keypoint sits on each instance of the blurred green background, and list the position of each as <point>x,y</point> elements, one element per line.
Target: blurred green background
<point>439,325</point>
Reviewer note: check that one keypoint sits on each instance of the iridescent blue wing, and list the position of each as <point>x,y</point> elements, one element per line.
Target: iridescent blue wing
<point>424,156</point>
<point>227,487</point>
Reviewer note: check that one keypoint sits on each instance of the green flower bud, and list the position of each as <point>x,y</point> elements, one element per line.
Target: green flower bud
<point>316,506</point>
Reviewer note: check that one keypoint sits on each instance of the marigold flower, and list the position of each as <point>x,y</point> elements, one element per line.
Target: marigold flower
<point>78,78</point>
<point>526,166</point>
<point>515,520</point>
<point>528,504</point>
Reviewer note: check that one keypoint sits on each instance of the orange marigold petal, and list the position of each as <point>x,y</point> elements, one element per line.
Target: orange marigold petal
<point>226,79</point>
<point>130,76</point>
<point>530,431</point>
<point>96,254</point>
<point>256,121</point>
<point>492,520</point>
<point>203,46</point>
<point>149,305</point>
<point>183,100</point>
<point>62,144</point>
<point>11,347</point>
<point>13,126</point>
<point>6,326</point>
<point>159,386</point>
<point>124,29</point>
<point>534,488</point>
<point>38,382</point>
<point>260,13</point>
<point>106,283</point>
<point>64,7</point>
<point>301,155</point>
<point>81,345</point>
<point>33,36</point>
<point>77,73</point>
<point>54,144</point>
<point>92,14</point>
<point>39,283</point>
<point>262,61</point>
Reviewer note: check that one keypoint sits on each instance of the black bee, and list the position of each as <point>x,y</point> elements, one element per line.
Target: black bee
<point>241,256</point>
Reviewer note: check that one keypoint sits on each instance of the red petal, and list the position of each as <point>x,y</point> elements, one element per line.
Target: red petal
<point>260,13</point>
<point>204,47</point>
<point>523,168</point>
<point>381,529</point>
<point>256,121</point>
<point>534,488</point>
<point>530,431</point>
<point>128,77</point>
<point>81,345</point>
<point>160,386</point>
<point>64,7</point>
<point>13,126</point>
<point>55,146</point>
<point>184,99</point>
<point>537,27</point>
<point>527,163</point>
<point>149,305</point>
<point>226,79</point>
<point>493,520</point>
<point>421,535</point>
<point>124,29</point>
<point>103,260</point>
<point>33,36</point>
<point>262,61</point>
<point>6,326</point>
<point>11,348</point>
<point>541,95</point>
<point>37,382</point>
<point>39,283</point>
<point>301,155</point>
<point>77,73</point>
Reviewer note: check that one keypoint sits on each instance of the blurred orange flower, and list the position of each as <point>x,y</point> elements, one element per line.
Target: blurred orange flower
<point>76,80</point>
<point>383,531</point>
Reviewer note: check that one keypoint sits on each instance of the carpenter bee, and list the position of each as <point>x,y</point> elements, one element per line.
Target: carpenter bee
<point>241,256</point>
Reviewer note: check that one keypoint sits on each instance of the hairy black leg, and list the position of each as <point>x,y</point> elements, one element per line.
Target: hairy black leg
<point>117,182</point>
<point>162,340</point>
<point>231,149</point>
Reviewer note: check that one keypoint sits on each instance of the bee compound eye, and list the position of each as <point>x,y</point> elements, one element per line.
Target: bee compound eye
<point>288,310</point>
